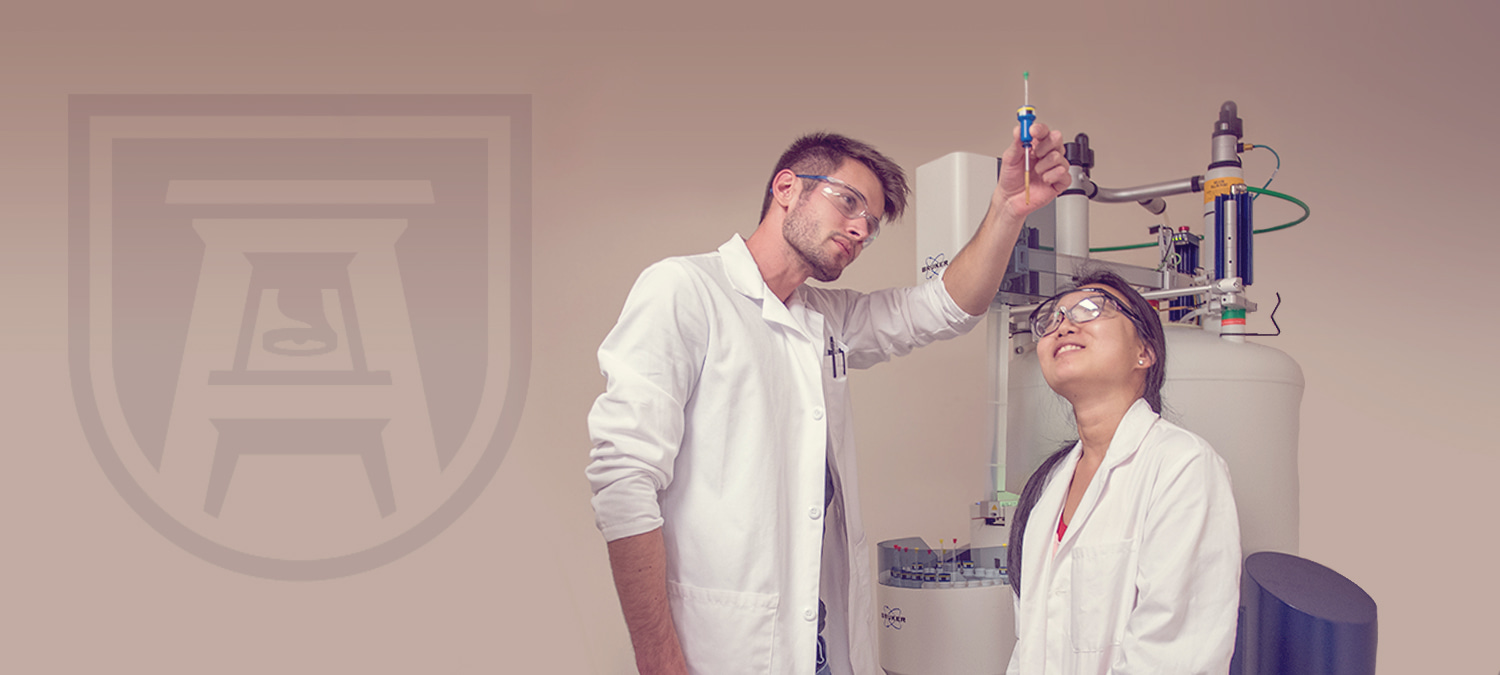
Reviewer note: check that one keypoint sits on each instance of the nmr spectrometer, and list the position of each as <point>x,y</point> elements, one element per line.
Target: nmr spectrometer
<point>947,608</point>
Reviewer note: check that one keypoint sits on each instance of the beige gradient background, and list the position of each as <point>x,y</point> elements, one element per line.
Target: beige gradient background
<point>655,126</point>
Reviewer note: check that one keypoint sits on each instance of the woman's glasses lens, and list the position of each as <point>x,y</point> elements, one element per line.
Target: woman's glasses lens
<point>1050,315</point>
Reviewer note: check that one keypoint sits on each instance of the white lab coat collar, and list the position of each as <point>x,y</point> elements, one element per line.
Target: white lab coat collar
<point>1138,420</point>
<point>744,275</point>
<point>739,266</point>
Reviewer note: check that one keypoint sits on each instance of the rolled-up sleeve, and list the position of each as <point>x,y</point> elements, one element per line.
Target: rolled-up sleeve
<point>651,362</point>
<point>888,323</point>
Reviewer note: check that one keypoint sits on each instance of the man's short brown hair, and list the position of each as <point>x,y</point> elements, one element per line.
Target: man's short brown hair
<point>823,153</point>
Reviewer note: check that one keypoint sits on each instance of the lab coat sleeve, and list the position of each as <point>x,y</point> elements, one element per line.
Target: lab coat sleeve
<point>651,362</point>
<point>891,322</point>
<point>1014,666</point>
<point>1187,584</point>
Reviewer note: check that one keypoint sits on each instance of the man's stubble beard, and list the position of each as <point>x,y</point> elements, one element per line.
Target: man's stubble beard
<point>801,233</point>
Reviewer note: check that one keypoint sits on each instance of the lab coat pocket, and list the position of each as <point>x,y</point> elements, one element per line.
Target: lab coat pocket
<point>836,361</point>
<point>1101,584</point>
<point>724,631</point>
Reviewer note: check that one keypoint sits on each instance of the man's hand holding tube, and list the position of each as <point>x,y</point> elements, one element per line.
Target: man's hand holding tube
<point>976,272</point>
<point>1049,174</point>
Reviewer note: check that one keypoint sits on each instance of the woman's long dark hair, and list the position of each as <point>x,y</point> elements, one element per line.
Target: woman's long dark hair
<point>1148,327</point>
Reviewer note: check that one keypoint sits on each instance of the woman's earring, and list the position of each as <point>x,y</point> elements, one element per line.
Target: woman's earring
<point>1143,362</point>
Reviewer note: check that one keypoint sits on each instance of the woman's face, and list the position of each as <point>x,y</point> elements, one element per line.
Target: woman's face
<point>1103,353</point>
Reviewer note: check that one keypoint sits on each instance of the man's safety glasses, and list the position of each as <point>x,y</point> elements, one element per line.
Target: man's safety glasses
<point>849,202</point>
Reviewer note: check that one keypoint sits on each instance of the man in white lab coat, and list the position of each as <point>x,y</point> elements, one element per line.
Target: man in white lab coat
<point>723,465</point>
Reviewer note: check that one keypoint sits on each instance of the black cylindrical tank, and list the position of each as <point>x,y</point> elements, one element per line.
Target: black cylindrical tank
<point>1305,619</point>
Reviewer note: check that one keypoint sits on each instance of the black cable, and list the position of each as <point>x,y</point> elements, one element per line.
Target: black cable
<point>1273,321</point>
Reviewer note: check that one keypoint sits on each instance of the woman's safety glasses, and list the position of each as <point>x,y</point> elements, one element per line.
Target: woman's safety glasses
<point>849,202</point>
<point>1049,315</point>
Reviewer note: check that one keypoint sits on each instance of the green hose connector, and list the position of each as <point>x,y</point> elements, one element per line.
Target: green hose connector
<point>1306,210</point>
<point>1306,213</point>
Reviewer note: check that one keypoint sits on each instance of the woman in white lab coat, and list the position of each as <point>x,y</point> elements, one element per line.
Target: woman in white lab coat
<point>1124,555</point>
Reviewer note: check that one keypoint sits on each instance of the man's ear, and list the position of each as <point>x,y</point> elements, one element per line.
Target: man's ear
<point>785,188</point>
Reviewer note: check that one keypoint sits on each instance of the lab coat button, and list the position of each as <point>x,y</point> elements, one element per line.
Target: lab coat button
<point>809,614</point>
<point>817,413</point>
<point>814,513</point>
